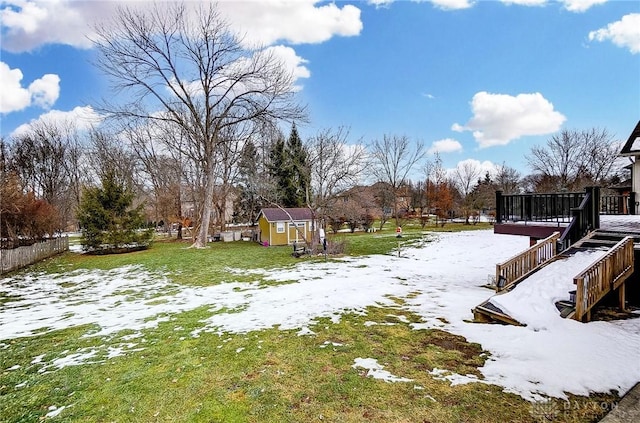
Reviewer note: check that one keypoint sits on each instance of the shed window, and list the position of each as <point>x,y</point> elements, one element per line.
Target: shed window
<point>280,227</point>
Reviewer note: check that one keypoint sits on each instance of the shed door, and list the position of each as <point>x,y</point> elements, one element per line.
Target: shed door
<point>294,234</point>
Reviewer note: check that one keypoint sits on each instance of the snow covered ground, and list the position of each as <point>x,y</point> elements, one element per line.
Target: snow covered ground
<point>550,356</point>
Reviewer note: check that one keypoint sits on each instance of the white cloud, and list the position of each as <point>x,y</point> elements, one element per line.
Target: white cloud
<point>293,21</point>
<point>12,96</point>
<point>42,92</point>
<point>581,5</point>
<point>45,91</point>
<point>380,3</point>
<point>484,167</point>
<point>570,5</point>
<point>499,118</point>
<point>82,117</point>
<point>447,145</point>
<point>525,2</point>
<point>28,24</point>
<point>453,4</point>
<point>292,62</point>
<point>623,33</point>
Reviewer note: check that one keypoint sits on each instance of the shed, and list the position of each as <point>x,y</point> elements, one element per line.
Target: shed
<point>285,226</point>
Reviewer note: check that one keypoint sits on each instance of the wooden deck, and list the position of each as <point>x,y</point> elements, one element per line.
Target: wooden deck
<point>628,224</point>
<point>603,276</point>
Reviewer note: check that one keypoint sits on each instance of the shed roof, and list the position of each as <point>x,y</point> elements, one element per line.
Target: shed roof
<point>632,146</point>
<point>280,215</point>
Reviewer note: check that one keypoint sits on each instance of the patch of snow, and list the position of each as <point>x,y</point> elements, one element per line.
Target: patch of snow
<point>15,367</point>
<point>305,331</point>
<point>75,248</point>
<point>54,411</point>
<point>74,359</point>
<point>533,302</point>
<point>440,282</point>
<point>122,350</point>
<point>376,371</point>
<point>454,378</point>
<point>37,359</point>
<point>325,344</point>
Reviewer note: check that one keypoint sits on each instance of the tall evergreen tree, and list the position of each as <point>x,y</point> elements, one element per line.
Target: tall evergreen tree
<point>108,222</point>
<point>280,171</point>
<point>300,170</point>
<point>248,203</point>
<point>289,167</point>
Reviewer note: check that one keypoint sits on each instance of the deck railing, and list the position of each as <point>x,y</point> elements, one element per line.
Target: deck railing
<point>17,258</point>
<point>550,207</point>
<point>585,218</point>
<point>602,277</point>
<point>556,207</point>
<point>518,267</point>
<point>617,204</point>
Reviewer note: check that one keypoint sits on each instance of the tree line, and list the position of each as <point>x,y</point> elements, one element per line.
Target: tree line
<point>194,135</point>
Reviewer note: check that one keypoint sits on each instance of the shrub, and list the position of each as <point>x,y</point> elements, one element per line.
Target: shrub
<point>109,224</point>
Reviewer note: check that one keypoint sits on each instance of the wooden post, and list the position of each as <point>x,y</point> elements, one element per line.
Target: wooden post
<point>528,206</point>
<point>622,296</point>
<point>595,192</point>
<point>499,207</point>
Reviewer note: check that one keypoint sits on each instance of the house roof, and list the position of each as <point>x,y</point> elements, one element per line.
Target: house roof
<point>632,146</point>
<point>280,215</point>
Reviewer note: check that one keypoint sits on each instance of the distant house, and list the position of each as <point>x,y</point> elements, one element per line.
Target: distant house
<point>632,149</point>
<point>285,226</point>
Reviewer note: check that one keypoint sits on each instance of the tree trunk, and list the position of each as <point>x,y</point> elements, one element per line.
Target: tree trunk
<point>207,208</point>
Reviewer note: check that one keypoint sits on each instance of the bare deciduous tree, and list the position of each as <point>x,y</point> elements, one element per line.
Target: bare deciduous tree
<point>575,158</point>
<point>466,176</point>
<point>48,157</point>
<point>335,166</point>
<point>163,169</point>
<point>180,63</point>
<point>507,179</point>
<point>394,157</point>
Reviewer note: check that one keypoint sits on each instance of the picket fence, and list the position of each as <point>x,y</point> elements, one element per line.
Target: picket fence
<point>23,256</point>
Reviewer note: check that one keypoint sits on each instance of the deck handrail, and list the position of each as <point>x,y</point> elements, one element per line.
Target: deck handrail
<point>519,266</point>
<point>617,204</point>
<point>536,207</point>
<point>585,218</point>
<point>602,277</point>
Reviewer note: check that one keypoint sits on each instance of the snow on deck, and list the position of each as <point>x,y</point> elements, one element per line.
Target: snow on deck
<point>620,223</point>
<point>533,300</point>
<point>440,282</point>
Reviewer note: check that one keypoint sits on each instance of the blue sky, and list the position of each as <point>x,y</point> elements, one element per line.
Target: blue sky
<point>475,80</point>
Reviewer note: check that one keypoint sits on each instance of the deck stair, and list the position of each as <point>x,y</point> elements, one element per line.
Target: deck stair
<point>605,275</point>
<point>601,238</point>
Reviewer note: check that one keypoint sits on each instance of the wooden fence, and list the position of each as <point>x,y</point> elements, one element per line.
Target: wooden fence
<point>606,275</point>
<point>23,256</point>
<point>518,267</point>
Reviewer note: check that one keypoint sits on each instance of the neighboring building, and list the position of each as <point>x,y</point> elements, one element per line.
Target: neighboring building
<point>632,149</point>
<point>285,226</point>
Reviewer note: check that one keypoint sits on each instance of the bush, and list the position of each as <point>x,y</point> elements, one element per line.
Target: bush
<point>108,223</point>
<point>24,219</point>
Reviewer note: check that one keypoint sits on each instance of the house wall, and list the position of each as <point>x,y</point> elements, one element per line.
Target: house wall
<point>635,182</point>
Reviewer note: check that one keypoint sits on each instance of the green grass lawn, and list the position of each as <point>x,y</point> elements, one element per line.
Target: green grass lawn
<point>263,376</point>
